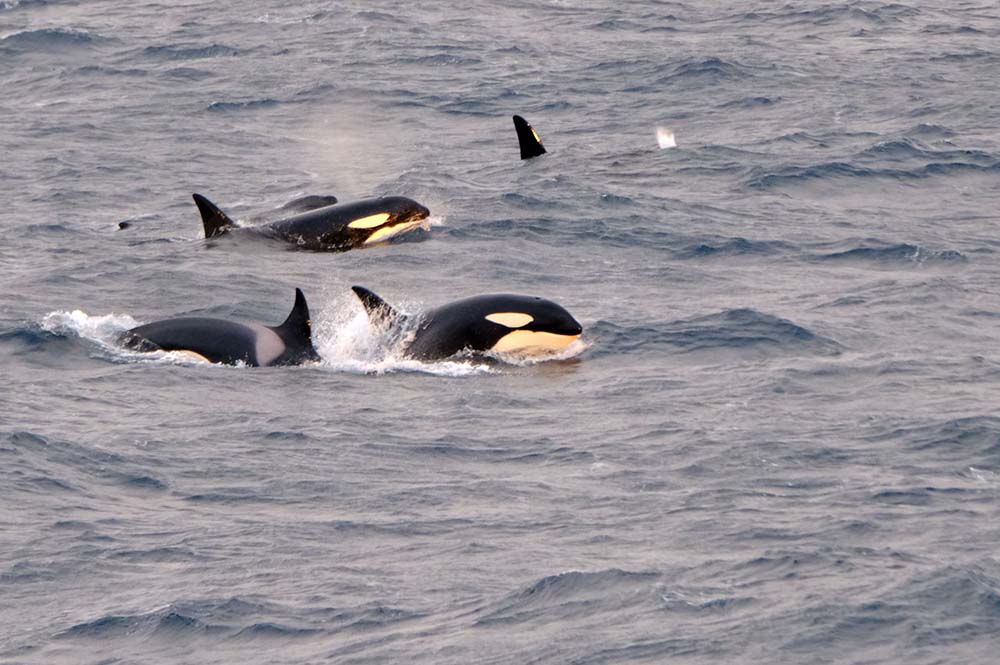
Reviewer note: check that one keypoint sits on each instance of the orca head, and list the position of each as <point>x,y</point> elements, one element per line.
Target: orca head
<point>378,220</point>
<point>530,325</point>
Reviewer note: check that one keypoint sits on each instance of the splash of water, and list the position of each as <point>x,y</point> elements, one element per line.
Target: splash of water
<point>665,138</point>
<point>348,342</point>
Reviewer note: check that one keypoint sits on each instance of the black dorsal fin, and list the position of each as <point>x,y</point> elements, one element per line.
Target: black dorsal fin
<point>374,306</point>
<point>296,330</point>
<point>531,142</point>
<point>216,222</point>
<point>309,202</point>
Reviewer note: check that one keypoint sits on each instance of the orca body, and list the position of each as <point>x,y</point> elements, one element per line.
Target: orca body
<point>337,227</point>
<point>231,342</point>
<point>500,323</point>
<point>528,139</point>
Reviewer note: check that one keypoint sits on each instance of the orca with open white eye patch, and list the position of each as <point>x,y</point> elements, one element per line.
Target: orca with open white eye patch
<point>335,227</point>
<point>231,342</point>
<point>528,139</point>
<point>502,323</point>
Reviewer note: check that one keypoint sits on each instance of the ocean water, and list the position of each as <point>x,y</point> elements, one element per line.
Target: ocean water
<point>778,440</point>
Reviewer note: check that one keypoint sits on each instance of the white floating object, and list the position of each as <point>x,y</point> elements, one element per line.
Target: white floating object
<point>665,137</point>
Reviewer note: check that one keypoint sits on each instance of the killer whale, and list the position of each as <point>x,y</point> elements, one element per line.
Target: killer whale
<point>502,323</point>
<point>336,227</point>
<point>231,342</point>
<point>528,139</point>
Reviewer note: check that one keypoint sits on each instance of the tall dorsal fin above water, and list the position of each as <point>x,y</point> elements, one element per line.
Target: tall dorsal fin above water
<point>296,330</point>
<point>298,322</point>
<point>309,202</point>
<point>531,142</point>
<point>374,305</point>
<point>216,222</point>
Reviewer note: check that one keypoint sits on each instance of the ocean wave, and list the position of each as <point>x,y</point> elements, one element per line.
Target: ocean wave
<point>729,247</point>
<point>792,175</point>
<point>163,622</point>
<point>235,496</point>
<point>28,337</point>
<point>888,254</point>
<point>191,52</point>
<point>950,29</point>
<point>270,630</point>
<point>105,70</point>
<point>542,452</point>
<point>188,74</point>
<point>571,593</point>
<point>250,104</point>
<point>656,650</point>
<point>906,148</point>
<point>832,15</point>
<point>169,554</point>
<point>739,330</point>
<point>750,102</point>
<point>709,70</point>
<point>949,605</point>
<point>48,464</point>
<point>960,58</point>
<point>440,59</point>
<point>49,40</point>
<point>14,4</point>
<point>373,15</point>
<point>972,441</point>
<point>701,600</point>
<point>927,130</point>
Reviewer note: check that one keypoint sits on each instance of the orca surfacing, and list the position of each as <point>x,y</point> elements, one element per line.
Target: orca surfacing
<point>337,227</point>
<point>500,323</point>
<point>231,342</point>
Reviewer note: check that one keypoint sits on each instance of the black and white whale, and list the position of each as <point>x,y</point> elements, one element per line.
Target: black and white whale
<point>335,227</point>
<point>528,138</point>
<point>231,342</point>
<point>499,323</point>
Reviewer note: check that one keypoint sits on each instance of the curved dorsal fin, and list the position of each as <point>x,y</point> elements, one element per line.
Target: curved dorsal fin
<point>531,143</point>
<point>216,222</point>
<point>310,202</point>
<point>374,306</point>
<point>296,330</point>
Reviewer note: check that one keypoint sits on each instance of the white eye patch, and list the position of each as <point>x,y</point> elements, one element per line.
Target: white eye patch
<point>510,319</point>
<point>370,221</point>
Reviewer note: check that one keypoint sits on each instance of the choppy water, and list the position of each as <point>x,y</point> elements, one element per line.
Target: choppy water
<point>779,441</point>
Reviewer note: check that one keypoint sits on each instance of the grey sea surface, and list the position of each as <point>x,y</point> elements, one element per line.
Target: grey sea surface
<point>778,440</point>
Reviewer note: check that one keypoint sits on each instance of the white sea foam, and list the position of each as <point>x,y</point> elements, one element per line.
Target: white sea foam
<point>665,137</point>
